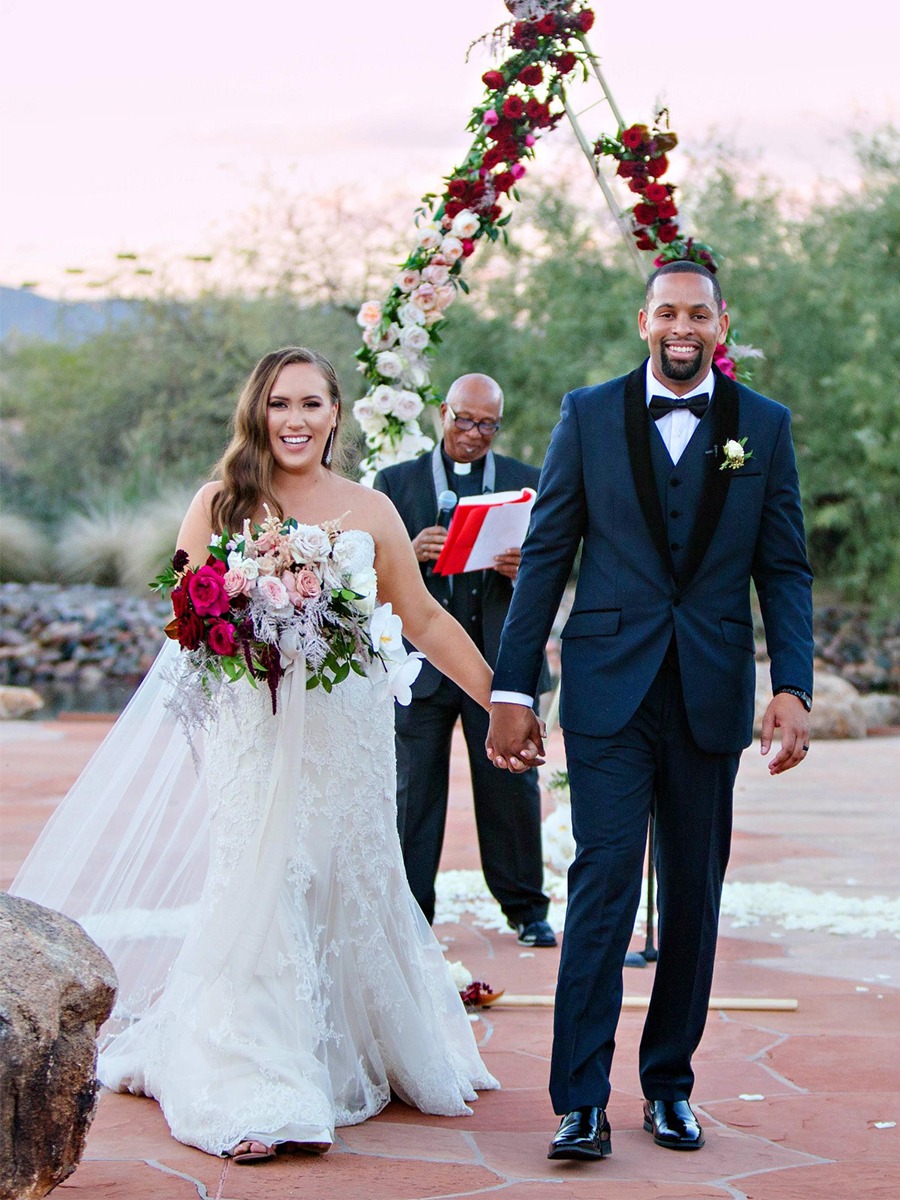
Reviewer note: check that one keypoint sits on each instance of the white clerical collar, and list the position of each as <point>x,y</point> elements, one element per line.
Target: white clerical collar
<point>655,388</point>
<point>461,468</point>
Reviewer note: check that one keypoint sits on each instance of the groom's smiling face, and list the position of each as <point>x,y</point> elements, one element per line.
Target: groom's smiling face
<point>682,324</point>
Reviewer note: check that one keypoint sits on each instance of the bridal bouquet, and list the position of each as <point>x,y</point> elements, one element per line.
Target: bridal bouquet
<point>279,594</point>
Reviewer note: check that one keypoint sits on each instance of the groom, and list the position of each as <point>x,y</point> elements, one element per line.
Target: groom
<point>680,486</point>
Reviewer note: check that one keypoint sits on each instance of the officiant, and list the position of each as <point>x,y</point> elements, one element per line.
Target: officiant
<point>507,806</point>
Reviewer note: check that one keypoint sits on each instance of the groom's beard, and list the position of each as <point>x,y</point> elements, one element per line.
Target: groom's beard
<point>680,371</point>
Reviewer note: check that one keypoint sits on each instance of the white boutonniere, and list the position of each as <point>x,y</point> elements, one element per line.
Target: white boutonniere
<point>734,454</point>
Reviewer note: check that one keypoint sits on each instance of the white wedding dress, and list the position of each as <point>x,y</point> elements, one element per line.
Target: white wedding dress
<point>277,979</point>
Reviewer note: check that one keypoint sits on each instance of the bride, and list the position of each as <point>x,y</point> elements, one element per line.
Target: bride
<point>276,976</point>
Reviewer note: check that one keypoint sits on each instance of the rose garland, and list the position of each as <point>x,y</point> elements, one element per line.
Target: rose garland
<point>524,96</point>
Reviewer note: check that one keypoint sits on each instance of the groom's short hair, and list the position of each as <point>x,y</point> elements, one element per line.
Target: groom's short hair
<point>685,266</point>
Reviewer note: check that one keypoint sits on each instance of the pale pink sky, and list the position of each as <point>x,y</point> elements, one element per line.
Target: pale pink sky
<point>143,128</point>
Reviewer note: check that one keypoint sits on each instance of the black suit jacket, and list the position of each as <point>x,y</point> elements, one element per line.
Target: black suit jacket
<point>410,486</point>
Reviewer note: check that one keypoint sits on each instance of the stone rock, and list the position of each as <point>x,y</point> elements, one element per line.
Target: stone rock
<point>18,702</point>
<point>838,711</point>
<point>56,989</point>
<point>881,710</point>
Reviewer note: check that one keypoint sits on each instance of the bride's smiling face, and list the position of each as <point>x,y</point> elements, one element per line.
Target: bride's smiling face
<point>300,416</point>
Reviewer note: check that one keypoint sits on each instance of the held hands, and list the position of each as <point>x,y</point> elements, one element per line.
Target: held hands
<point>515,739</point>
<point>787,713</point>
<point>429,542</point>
<point>507,563</point>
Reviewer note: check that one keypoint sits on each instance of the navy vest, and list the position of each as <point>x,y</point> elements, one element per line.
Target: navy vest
<point>679,484</point>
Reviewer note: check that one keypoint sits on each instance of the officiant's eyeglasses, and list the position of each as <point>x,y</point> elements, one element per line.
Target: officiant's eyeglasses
<point>464,424</point>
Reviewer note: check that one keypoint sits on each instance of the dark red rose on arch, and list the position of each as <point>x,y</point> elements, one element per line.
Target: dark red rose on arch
<point>190,630</point>
<point>546,26</point>
<point>645,243</point>
<point>585,20</point>
<point>494,80</point>
<point>634,136</point>
<point>207,593</point>
<point>221,638</point>
<point>493,212</point>
<point>637,185</point>
<point>667,232</point>
<point>657,193</point>
<point>457,188</point>
<point>531,75</point>
<point>667,210</point>
<point>504,181</point>
<point>565,62</point>
<point>493,156</point>
<point>452,207</point>
<point>538,113</point>
<point>513,108</point>
<point>645,214</point>
<point>658,166</point>
<point>625,169</point>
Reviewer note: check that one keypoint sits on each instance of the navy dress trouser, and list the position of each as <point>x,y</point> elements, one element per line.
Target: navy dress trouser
<point>614,781</point>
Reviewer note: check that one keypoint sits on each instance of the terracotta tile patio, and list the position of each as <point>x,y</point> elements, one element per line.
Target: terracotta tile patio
<point>802,1104</point>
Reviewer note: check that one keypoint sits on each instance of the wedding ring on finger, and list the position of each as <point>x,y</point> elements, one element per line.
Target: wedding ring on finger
<point>805,749</point>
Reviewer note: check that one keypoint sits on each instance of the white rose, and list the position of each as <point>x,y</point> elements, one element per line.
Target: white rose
<point>273,592</point>
<point>411,314</point>
<point>408,279</point>
<point>388,364</point>
<point>369,420</point>
<point>465,225</point>
<point>451,248</point>
<point>425,296</point>
<point>309,544</point>
<point>365,582</point>
<point>734,451</point>
<point>414,338</point>
<point>412,442</point>
<point>407,406</point>
<point>415,373</point>
<point>383,398</point>
<point>369,314</point>
<point>444,296</point>
<point>430,237</point>
<point>381,341</point>
<point>433,317</point>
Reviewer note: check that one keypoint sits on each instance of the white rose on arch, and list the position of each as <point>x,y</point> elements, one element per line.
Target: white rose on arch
<point>369,314</point>
<point>381,341</point>
<point>408,279</point>
<point>465,225</point>
<point>415,373</point>
<point>425,296</point>
<point>430,237</point>
<point>414,338</point>
<point>436,274</point>
<point>411,314</point>
<point>407,405</point>
<point>370,421</point>
<point>383,398</point>
<point>451,248</point>
<point>388,364</point>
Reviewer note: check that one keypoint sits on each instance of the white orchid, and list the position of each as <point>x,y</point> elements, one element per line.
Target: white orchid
<point>402,675</point>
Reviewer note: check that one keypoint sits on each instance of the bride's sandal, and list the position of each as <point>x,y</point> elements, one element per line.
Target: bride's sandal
<point>251,1152</point>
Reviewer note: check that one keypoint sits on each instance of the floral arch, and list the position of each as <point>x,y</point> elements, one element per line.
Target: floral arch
<point>525,97</point>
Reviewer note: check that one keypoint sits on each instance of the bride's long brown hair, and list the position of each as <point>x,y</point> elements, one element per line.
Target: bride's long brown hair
<point>246,467</point>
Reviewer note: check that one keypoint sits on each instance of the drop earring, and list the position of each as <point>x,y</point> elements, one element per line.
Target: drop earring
<point>326,458</point>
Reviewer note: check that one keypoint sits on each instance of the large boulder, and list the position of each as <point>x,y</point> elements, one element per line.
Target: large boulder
<point>838,711</point>
<point>57,987</point>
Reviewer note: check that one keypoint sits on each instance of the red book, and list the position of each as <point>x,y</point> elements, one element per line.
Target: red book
<point>483,527</point>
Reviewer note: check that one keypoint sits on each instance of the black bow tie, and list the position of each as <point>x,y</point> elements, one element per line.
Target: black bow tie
<point>660,406</point>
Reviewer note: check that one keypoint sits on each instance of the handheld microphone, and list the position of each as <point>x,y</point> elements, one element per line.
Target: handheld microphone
<point>447,501</point>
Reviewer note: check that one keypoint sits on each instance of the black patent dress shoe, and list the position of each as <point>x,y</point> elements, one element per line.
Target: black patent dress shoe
<point>535,933</point>
<point>582,1134</point>
<point>673,1124</point>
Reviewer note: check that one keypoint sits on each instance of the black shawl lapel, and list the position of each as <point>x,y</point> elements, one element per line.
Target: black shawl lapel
<point>725,413</point>
<point>637,435</point>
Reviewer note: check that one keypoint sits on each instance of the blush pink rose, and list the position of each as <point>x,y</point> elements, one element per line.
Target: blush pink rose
<point>236,583</point>
<point>307,584</point>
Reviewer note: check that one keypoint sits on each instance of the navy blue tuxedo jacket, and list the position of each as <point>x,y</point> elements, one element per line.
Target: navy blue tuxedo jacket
<point>410,486</point>
<point>665,549</point>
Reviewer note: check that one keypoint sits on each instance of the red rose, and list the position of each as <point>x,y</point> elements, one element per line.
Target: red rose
<point>457,187</point>
<point>494,80</point>
<point>513,108</point>
<point>657,193</point>
<point>216,564</point>
<point>221,638</point>
<point>625,169</point>
<point>468,247</point>
<point>667,210</point>
<point>565,62</point>
<point>658,166</point>
<point>452,207</point>
<point>667,233</point>
<point>476,189</point>
<point>637,186</point>
<point>645,243</point>
<point>509,150</point>
<point>180,601</point>
<point>633,136</point>
<point>538,113</point>
<point>645,214</point>
<point>492,157</point>
<point>531,75</point>
<point>207,592</point>
<point>190,630</point>
<point>585,20</point>
<point>504,181</point>
<point>493,213</point>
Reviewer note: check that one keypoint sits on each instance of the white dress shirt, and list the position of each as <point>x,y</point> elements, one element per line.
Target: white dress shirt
<point>676,430</point>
